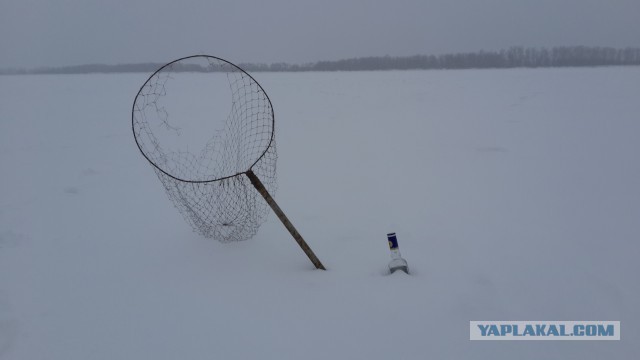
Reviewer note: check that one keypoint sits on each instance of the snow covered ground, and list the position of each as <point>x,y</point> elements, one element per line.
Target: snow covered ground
<point>514,193</point>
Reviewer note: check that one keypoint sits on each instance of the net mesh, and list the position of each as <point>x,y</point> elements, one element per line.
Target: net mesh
<point>203,122</point>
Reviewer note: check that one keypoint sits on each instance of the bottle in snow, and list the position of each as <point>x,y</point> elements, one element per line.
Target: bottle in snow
<point>397,262</point>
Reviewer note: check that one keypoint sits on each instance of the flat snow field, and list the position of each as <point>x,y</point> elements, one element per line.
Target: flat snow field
<point>515,195</point>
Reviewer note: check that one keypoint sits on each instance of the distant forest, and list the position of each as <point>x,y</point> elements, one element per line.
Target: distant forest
<point>514,57</point>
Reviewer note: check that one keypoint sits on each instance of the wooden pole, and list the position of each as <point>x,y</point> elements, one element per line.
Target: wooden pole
<point>285,221</point>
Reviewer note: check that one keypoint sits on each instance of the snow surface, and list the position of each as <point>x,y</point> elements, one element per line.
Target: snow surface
<point>514,193</point>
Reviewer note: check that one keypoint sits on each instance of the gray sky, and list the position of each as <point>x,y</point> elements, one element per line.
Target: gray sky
<point>70,32</point>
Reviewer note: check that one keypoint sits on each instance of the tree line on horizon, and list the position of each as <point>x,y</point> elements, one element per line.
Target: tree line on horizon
<point>514,57</point>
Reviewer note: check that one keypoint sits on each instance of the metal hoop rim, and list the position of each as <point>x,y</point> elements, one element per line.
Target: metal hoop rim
<point>133,110</point>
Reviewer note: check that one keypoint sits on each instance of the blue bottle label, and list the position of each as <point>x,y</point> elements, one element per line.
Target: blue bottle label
<point>393,241</point>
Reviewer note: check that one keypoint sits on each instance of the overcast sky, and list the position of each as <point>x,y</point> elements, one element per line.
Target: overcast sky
<point>37,33</point>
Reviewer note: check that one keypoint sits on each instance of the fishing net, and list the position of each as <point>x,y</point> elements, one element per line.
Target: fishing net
<point>203,123</point>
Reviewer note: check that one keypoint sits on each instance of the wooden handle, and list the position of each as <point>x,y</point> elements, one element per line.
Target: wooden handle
<point>285,221</point>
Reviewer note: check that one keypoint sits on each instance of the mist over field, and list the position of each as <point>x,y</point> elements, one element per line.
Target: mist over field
<point>513,57</point>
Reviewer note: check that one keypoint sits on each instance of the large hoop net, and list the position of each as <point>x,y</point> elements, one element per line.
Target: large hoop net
<point>203,123</point>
